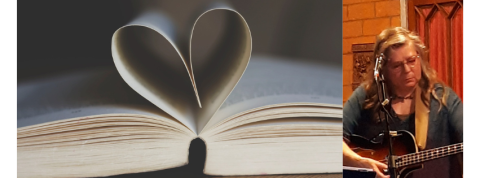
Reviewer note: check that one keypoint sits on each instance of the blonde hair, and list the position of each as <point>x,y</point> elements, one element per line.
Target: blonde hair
<point>391,39</point>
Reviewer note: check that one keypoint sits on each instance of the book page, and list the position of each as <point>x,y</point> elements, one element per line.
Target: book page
<point>224,63</point>
<point>146,55</point>
<point>158,64</point>
<point>276,147</point>
<point>272,80</point>
<point>326,121</point>
<point>79,94</point>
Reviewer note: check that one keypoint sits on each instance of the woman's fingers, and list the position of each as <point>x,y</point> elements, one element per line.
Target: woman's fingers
<point>378,167</point>
<point>380,173</point>
<point>381,165</point>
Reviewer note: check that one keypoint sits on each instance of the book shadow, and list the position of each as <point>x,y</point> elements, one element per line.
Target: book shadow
<point>194,168</point>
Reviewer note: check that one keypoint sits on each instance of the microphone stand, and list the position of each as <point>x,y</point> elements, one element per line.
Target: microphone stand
<point>385,106</point>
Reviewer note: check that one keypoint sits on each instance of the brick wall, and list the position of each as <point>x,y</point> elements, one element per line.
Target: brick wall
<point>362,21</point>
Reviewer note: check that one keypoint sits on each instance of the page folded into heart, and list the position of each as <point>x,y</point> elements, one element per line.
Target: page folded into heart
<point>159,64</point>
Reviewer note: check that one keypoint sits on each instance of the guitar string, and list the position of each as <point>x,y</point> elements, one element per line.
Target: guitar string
<point>425,158</point>
<point>430,154</point>
<point>401,164</point>
<point>408,162</point>
<point>439,148</point>
<point>433,152</point>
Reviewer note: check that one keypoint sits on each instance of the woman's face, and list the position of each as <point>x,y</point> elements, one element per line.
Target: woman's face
<point>403,67</point>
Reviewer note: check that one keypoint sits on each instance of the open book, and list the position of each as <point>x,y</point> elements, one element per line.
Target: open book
<point>282,117</point>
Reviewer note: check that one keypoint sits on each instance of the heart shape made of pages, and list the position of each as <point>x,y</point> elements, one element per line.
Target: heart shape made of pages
<point>159,66</point>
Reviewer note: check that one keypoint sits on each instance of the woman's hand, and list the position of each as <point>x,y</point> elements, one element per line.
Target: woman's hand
<point>378,167</point>
<point>351,158</point>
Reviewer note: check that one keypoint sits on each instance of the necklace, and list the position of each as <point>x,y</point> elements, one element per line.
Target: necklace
<point>409,96</point>
<point>402,97</point>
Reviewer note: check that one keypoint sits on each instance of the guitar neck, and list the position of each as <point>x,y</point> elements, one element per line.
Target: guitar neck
<point>427,155</point>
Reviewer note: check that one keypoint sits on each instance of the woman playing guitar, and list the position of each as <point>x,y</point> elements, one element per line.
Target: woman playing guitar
<point>422,107</point>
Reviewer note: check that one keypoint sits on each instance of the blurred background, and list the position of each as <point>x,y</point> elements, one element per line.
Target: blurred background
<point>56,36</point>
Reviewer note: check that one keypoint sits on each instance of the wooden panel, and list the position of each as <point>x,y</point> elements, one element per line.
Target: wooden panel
<point>415,3</point>
<point>362,59</point>
<point>424,2</point>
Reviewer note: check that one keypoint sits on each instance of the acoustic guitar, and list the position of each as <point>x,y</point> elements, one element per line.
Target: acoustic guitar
<point>407,158</point>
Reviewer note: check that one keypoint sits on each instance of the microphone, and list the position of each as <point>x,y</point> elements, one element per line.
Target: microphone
<point>378,66</point>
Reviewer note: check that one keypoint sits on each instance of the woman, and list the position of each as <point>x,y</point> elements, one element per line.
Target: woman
<point>408,78</point>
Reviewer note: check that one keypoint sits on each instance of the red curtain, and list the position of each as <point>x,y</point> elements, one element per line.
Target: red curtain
<point>440,26</point>
<point>457,44</point>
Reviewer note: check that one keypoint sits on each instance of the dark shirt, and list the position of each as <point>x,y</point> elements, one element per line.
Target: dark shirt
<point>445,127</point>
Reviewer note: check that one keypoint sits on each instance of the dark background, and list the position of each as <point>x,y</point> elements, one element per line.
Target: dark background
<point>56,36</point>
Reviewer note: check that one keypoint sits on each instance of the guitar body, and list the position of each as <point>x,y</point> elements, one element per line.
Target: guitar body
<point>403,143</point>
